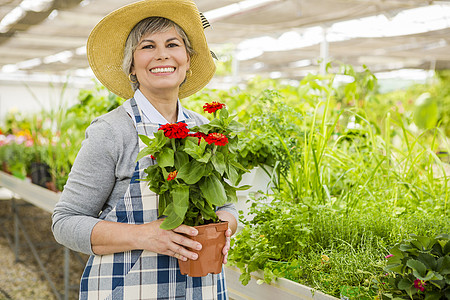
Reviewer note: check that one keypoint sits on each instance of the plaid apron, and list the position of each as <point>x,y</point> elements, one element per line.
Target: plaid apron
<point>141,274</point>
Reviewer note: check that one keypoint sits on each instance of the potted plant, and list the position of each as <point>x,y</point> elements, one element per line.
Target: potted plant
<point>197,171</point>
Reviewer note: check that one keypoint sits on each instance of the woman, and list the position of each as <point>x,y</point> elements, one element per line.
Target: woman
<point>152,53</point>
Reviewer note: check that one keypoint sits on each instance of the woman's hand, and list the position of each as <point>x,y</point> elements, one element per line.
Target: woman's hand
<point>112,237</point>
<point>169,242</point>
<point>225,249</point>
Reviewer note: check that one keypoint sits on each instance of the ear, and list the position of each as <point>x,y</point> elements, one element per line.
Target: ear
<point>188,61</point>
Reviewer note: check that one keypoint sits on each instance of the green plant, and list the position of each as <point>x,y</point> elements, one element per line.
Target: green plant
<point>421,268</point>
<point>195,172</point>
<point>277,233</point>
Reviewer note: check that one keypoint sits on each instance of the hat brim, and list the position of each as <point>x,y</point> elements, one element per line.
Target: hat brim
<point>106,44</point>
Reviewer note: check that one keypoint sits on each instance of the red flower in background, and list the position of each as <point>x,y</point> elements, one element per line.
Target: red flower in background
<point>213,107</point>
<point>217,139</point>
<point>419,284</point>
<point>198,135</point>
<point>172,175</point>
<point>175,130</point>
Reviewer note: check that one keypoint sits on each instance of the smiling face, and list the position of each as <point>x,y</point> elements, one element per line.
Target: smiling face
<point>160,63</point>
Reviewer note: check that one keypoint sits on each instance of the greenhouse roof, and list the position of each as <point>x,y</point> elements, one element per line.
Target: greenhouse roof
<point>272,38</point>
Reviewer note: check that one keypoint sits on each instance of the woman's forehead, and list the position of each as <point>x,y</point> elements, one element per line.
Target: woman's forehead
<point>164,34</point>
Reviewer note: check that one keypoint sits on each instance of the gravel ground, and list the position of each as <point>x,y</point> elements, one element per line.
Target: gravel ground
<point>24,279</point>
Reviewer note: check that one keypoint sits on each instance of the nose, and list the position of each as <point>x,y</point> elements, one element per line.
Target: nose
<point>162,53</point>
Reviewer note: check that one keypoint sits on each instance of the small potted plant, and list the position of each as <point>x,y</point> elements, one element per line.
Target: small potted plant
<point>197,171</point>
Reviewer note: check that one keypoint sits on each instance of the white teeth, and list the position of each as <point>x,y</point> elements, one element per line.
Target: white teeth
<point>162,70</point>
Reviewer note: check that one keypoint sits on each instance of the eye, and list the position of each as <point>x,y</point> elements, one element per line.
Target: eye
<point>172,45</point>
<point>148,46</point>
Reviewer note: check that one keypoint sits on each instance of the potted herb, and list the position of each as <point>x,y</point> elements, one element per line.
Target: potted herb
<point>197,171</point>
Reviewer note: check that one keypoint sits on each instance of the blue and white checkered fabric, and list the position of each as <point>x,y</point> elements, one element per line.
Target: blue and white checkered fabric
<point>141,274</point>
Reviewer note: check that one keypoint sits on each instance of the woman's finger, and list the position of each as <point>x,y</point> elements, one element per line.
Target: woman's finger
<point>184,229</point>
<point>185,241</point>
<point>182,253</point>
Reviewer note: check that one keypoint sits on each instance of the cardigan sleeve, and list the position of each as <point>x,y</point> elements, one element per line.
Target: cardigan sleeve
<point>88,187</point>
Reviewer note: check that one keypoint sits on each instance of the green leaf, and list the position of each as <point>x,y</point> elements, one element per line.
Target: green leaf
<point>418,267</point>
<point>218,162</point>
<point>208,213</point>
<point>145,139</point>
<point>173,220</point>
<point>216,123</point>
<point>144,152</point>
<point>180,195</point>
<point>444,265</point>
<point>405,284</point>
<point>213,191</point>
<point>205,158</point>
<point>426,112</point>
<point>446,248</point>
<point>428,260</point>
<point>245,278</point>
<point>231,193</point>
<point>395,268</point>
<point>243,187</point>
<point>423,242</point>
<point>431,275</point>
<point>194,149</point>
<point>235,126</point>
<point>233,175</point>
<point>397,252</point>
<point>164,200</point>
<point>181,158</point>
<point>193,171</point>
<point>166,158</point>
<point>433,295</point>
<point>154,145</point>
<point>223,113</point>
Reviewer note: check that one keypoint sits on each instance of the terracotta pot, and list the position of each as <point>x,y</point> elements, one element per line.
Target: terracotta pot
<point>210,257</point>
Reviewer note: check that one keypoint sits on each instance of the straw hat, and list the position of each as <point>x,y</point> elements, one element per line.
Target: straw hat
<point>106,43</point>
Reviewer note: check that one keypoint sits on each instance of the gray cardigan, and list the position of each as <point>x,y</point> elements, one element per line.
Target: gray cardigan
<point>99,178</point>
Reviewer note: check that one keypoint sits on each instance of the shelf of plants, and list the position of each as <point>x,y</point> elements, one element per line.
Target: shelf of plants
<point>359,180</point>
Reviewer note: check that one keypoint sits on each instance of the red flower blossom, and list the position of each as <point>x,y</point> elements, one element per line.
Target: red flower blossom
<point>152,157</point>
<point>198,135</point>
<point>387,256</point>
<point>419,284</point>
<point>172,175</point>
<point>217,139</point>
<point>175,130</point>
<point>213,107</point>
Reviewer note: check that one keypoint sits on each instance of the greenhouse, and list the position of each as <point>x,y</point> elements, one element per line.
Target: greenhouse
<point>311,139</point>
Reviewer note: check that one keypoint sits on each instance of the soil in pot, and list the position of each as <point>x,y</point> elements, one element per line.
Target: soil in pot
<point>210,257</point>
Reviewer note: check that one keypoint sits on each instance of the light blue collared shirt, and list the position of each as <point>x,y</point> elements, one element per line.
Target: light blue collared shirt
<point>149,112</point>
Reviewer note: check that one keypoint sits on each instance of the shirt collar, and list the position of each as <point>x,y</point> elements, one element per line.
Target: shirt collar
<point>151,115</point>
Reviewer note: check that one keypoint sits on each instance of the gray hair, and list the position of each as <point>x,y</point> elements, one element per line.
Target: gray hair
<point>148,26</point>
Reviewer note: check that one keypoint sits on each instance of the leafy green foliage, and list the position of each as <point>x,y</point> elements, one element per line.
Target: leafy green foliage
<point>191,175</point>
<point>421,266</point>
<point>354,166</point>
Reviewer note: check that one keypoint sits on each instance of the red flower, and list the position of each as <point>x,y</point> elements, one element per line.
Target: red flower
<point>172,175</point>
<point>217,139</point>
<point>175,130</point>
<point>419,284</point>
<point>390,255</point>
<point>198,135</point>
<point>213,107</point>
<point>152,157</point>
